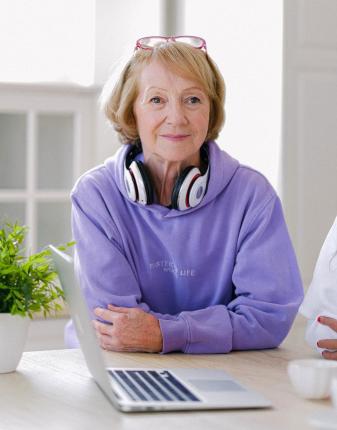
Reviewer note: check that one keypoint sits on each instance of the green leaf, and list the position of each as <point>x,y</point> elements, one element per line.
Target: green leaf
<point>26,283</point>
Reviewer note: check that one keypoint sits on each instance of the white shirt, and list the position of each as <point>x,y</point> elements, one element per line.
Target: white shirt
<point>321,297</point>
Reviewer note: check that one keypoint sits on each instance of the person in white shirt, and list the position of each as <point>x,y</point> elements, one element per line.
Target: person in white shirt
<point>320,302</point>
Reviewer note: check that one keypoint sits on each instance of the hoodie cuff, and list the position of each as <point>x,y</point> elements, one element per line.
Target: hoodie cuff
<point>70,336</point>
<point>175,334</point>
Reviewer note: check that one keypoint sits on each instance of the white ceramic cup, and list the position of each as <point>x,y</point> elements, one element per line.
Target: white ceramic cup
<point>312,378</point>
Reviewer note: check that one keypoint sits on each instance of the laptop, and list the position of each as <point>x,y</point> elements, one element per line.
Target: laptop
<point>140,389</point>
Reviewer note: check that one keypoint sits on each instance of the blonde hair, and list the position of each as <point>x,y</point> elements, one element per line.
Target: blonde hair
<point>182,59</point>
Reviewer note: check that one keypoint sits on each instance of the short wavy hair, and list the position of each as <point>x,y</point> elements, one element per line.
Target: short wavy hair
<point>178,57</point>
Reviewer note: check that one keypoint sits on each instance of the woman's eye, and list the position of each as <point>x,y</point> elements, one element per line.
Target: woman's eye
<point>155,100</point>
<point>193,100</point>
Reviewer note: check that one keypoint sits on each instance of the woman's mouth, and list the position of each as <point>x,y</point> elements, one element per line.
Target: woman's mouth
<point>174,137</point>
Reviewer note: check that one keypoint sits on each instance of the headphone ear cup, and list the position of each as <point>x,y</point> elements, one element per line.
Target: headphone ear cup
<point>142,184</point>
<point>197,190</point>
<point>130,184</point>
<point>180,193</point>
<point>147,184</point>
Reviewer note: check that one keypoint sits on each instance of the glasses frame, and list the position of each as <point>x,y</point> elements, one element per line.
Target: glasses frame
<point>169,39</point>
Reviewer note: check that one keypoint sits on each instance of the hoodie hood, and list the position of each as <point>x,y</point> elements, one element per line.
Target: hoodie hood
<point>222,170</point>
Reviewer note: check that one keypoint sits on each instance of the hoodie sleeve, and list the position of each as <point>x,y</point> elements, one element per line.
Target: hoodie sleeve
<point>267,293</point>
<point>101,265</point>
<point>268,286</point>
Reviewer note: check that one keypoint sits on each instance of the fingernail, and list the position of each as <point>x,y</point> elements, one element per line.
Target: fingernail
<point>319,319</point>
<point>317,343</point>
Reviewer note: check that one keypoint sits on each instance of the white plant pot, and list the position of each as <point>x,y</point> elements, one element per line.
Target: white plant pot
<point>13,336</point>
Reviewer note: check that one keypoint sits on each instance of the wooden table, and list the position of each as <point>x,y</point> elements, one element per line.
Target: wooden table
<point>53,390</point>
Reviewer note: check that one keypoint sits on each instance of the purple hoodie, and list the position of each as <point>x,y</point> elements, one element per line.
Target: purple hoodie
<point>219,277</point>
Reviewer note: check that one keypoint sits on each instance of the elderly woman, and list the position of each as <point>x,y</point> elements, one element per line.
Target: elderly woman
<point>179,246</point>
<point>320,303</point>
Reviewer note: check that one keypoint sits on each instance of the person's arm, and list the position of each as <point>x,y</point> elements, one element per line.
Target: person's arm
<point>320,303</point>
<point>107,277</point>
<point>267,293</point>
<point>267,287</point>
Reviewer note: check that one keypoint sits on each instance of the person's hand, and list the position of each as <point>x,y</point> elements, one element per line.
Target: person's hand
<point>128,329</point>
<point>328,343</point>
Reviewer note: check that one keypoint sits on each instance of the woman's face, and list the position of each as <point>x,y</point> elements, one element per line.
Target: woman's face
<point>172,114</point>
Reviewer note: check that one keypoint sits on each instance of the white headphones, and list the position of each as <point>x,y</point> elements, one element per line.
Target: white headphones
<point>188,191</point>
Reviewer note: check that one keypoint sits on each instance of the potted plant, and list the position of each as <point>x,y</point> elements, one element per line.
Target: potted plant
<point>27,286</point>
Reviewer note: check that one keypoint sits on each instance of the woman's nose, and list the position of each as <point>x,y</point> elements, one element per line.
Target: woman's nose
<point>176,114</point>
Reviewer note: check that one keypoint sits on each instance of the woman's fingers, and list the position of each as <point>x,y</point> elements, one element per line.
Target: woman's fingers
<point>119,309</point>
<point>127,329</point>
<point>113,312</point>
<point>105,314</point>
<point>105,342</point>
<point>102,328</point>
<point>327,343</point>
<point>329,355</point>
<point>330,322</point>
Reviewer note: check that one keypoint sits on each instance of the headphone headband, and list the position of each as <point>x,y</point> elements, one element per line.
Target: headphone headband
<point>188,191</point>
<point>136,149</point>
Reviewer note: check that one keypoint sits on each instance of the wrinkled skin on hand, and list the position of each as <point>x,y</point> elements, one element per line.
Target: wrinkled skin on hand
<point>128,329</point>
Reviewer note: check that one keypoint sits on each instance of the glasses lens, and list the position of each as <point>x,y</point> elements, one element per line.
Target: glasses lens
<point>151,42</point>
<point>196,42</point>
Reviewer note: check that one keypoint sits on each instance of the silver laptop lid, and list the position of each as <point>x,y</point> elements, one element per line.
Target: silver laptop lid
<point>64,265</point>
<point>94,359</point>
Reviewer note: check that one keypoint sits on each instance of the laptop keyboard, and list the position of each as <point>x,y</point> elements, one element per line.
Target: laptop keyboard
<point>151,385</point>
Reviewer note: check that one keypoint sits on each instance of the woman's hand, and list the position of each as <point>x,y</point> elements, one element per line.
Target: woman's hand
<point>328,343</point>
<point>128,329</point>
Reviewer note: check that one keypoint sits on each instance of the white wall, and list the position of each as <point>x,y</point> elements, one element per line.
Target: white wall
<point>309,150</point>
<point>118,25</point>
<point>47,41</point>
<point>244,37</point>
